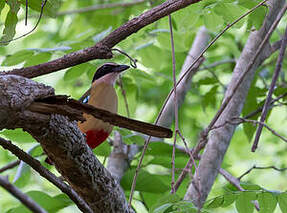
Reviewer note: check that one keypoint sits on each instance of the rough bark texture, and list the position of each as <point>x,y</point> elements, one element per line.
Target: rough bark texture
<point>219,139</point>
<point>62,141</point>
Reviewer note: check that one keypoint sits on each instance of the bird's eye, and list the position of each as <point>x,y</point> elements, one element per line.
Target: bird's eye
<point>105,68</point>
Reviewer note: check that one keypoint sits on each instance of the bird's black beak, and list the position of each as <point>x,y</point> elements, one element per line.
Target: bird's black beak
<point>120,68</point>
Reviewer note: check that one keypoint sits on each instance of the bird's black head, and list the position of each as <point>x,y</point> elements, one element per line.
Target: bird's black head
<point>109,68</point>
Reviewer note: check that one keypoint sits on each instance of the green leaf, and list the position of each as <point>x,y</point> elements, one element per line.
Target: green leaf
<point>23,174</point>
<point>216,202</point>
<point>247,3</point>
<point>163,208</point>
<point>38,59</point>
<point>50,204</point>
<point>50,8</point>
<point>17,58</point>
<point>267,202</point>
<point>103,150</point>
<point>134,139</point>
<point>10,22</point>
<point>131,90</point>
<point>2,5</point>
<point>165,201</point>
<point>147,56</point>
<point>161,149</point>
<point>163,39</point>
<point>244,202</point>
<point>282,200</point>
<point>17,135</point>
<point>250,186</point>
<point>165,161</point>
<point>250,105</point>
<point>212,21</point>
<point>76,71</point>
<point>257,17</point>
<point>210,97</point>
<point>229,198</point>
<point>229,12</point>
<point>187,207</point>
<point>146,182</point>
<point>207,81</point>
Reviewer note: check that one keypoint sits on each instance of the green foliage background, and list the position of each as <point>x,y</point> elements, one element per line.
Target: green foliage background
<point>146,87</point>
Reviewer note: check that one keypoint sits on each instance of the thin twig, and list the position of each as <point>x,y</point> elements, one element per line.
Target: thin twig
<point>10,166</point>
<point>254,122</point>
<point>36,165</point>
<point>133,62</point>
<point>176,128</point>
<point>251,114</point>
<point>197,182</point>
<point>25,199</point>
<point>218,63</point>
<point>235,182</point>
<point>34,28</point>
<point>120,83</point>
<point>271,89</point>
<point>261,167</point>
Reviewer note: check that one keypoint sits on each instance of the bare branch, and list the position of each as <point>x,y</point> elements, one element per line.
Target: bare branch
<point>261,168</point>
<point>175,106</point>
<point>124,94</point>
<point>231,179</point>
<point>10,166</point>
<point>25,199</point>
<point>263,125</point>
<point>270,91</point>
<point>102,50</point>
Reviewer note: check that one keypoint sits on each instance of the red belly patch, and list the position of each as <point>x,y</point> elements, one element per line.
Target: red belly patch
<point>96,137</point>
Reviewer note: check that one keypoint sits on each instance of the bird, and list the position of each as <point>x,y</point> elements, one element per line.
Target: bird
<point>102,95</point>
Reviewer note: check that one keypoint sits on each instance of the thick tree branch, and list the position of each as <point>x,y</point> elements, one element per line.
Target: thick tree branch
<point>102,50</point>
<point>62,141</point>
<point>25,199</point>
